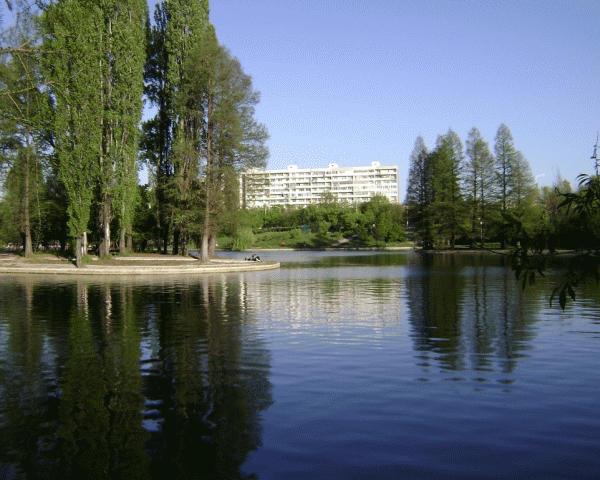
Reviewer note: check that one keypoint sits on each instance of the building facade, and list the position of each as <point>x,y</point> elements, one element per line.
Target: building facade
<point>303,186</point>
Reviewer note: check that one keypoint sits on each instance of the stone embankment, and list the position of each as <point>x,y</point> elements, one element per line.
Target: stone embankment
<point>14,264</point>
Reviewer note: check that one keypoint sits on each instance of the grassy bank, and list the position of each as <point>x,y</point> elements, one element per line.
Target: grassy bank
<point>297,239</point>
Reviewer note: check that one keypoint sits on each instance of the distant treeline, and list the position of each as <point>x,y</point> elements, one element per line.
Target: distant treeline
<point>473,196</point>
<point>375,221</point>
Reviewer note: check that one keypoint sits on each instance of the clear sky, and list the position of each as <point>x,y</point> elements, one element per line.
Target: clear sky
<point>351,82</point>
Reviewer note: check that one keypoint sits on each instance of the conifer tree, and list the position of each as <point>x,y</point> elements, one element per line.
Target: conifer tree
<point>448,205</point>
<point>419,194</point>
<point>504,164</point>
<point>479,183</point>
<point>523,182</point>
<point>219,102</point>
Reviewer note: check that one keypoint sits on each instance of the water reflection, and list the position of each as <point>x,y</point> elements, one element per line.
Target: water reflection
<point>465,312</point>
<point>138,381</point>
<point>393,365</point>
<point>469,314</point>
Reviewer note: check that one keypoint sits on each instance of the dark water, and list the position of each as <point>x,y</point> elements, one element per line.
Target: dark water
<point>336,366</point>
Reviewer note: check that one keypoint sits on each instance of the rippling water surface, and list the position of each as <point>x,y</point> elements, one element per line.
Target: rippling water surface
<point>339,365</point>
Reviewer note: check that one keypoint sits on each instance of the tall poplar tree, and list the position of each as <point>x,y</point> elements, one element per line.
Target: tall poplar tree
<point>72,64</point>
<point>179,27</point>
<point>156,132</point>
<point>122,100</point>
<point>95,66</point>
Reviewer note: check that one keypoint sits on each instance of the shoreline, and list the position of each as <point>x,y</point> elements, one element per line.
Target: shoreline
<point>158,264</point>
<point>16,265</point>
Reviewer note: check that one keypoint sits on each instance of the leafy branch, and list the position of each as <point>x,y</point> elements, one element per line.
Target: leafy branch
<point>529,257</point>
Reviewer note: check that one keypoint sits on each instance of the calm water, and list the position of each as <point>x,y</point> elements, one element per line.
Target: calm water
<point>348,366</point>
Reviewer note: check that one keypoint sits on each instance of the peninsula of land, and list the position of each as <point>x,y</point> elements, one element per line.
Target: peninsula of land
<point>132,265</point>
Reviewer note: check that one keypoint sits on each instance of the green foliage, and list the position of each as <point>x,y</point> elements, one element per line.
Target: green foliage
<point>73,65</point>
<point>23,120</point>
<point>420,192</point>
<point>8,232</point>
<point>453,194</point>
<point>479,180</point>
<point>243,239</point>
<point>216,137</point>
<point>375,221</point>
<point>144,220</point>
<point>529,258</point>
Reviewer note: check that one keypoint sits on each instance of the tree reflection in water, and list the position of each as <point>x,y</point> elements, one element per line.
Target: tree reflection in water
<point>126,379</point>
<point>468,311</point>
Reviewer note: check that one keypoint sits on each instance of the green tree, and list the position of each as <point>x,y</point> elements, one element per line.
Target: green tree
<point>479,184</point>
<point>72,64</point>
<point>523,183</point>
<point>121,69</point>
<point>505,160</point>
<point>22,124</point>
<point>157,131</point>
<point>221,100</point>
<point>555,220</point>
<point>524,199</point>
<point>446,210</point>
<point>385,228</point>
<point>419,193</point>
<point>171,137</point>
<point>25,196</point>
<point>529,258</point>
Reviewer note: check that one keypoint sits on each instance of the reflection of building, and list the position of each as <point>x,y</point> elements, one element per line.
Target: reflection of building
<point>306,300</point>
<point>303,186</point>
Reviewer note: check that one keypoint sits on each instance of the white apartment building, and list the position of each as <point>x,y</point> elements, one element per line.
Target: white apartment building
<point>303,186</point>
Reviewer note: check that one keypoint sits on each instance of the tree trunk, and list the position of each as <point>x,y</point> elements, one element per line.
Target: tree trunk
<point>27,250</point>
<point>129,239</point>
<point>122,246</point>
<point>105,229</point>
<point>204,247</point>
<point>78,256</point>
<point>165,233</point>
<point>158,232</point>
<point>176,242</point>
<point>212,245</point>
<point>122,241</point>
<point>84,244</point>
<point>183,245</point>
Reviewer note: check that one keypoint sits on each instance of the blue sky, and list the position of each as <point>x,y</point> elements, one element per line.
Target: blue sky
<point>351,82</point>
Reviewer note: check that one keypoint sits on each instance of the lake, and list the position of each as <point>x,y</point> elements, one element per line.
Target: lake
<point>340,365</point>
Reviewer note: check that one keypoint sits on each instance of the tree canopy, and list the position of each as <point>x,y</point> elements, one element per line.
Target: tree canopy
<point>70,127</point>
